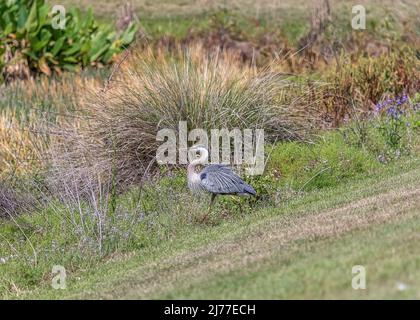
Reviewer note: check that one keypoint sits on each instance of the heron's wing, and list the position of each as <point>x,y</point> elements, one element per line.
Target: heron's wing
<point>221,179</point>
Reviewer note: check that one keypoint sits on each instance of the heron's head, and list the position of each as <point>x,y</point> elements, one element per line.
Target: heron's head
<point>199,151</point>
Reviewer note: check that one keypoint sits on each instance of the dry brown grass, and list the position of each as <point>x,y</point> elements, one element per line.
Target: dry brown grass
<point>31,110</point>
<point>21,145</point>
<point>50,96</point>
<point>355,86</point>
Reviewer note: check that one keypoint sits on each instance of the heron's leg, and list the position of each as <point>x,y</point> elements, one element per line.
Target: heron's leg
<point>240,206</point>
<point>213,196</point>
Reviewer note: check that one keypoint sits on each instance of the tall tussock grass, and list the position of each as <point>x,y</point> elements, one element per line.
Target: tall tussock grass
<point>30,112</point>
<point>151,92</point>
<point>22,144</point>
<point>47,95</point>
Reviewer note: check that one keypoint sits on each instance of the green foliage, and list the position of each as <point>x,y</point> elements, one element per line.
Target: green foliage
<point>392,132</point>
<point>326,163</point>
<point>226,21</point>
<point>415,118</point>
<point>178,27</point>
<point>29,40</point>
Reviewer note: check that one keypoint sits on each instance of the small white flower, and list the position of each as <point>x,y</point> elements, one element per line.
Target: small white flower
<point>401,286</point>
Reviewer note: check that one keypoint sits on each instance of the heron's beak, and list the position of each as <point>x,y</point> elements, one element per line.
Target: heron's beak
<point>193,151</point>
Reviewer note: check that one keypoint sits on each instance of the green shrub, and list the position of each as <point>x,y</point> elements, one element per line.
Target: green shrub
<point>30,44</point>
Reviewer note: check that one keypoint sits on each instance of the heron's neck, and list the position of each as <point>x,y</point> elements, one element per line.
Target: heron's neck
<point>202,160</point>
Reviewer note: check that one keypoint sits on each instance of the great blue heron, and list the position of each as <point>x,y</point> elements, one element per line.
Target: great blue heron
<point>215,178</point>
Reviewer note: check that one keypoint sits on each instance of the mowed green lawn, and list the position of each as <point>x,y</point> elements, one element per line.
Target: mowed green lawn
<point>304,248</point>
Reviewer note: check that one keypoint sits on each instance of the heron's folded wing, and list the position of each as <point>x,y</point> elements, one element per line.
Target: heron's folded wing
<point>221,179</point>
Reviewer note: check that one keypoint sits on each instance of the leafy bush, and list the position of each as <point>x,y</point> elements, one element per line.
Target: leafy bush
<point>30,44</point>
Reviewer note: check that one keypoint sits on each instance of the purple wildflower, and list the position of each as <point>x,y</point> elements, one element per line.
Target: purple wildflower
<point>392,107</point>
<point>379,107</point>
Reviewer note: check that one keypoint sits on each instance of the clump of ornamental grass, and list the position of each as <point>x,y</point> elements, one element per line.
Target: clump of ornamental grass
<point>150,92</point>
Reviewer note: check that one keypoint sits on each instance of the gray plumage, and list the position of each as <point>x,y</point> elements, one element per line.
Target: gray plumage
<point>221,179</point>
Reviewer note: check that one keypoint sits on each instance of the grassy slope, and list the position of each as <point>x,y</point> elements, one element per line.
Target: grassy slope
<point>302,249</point>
